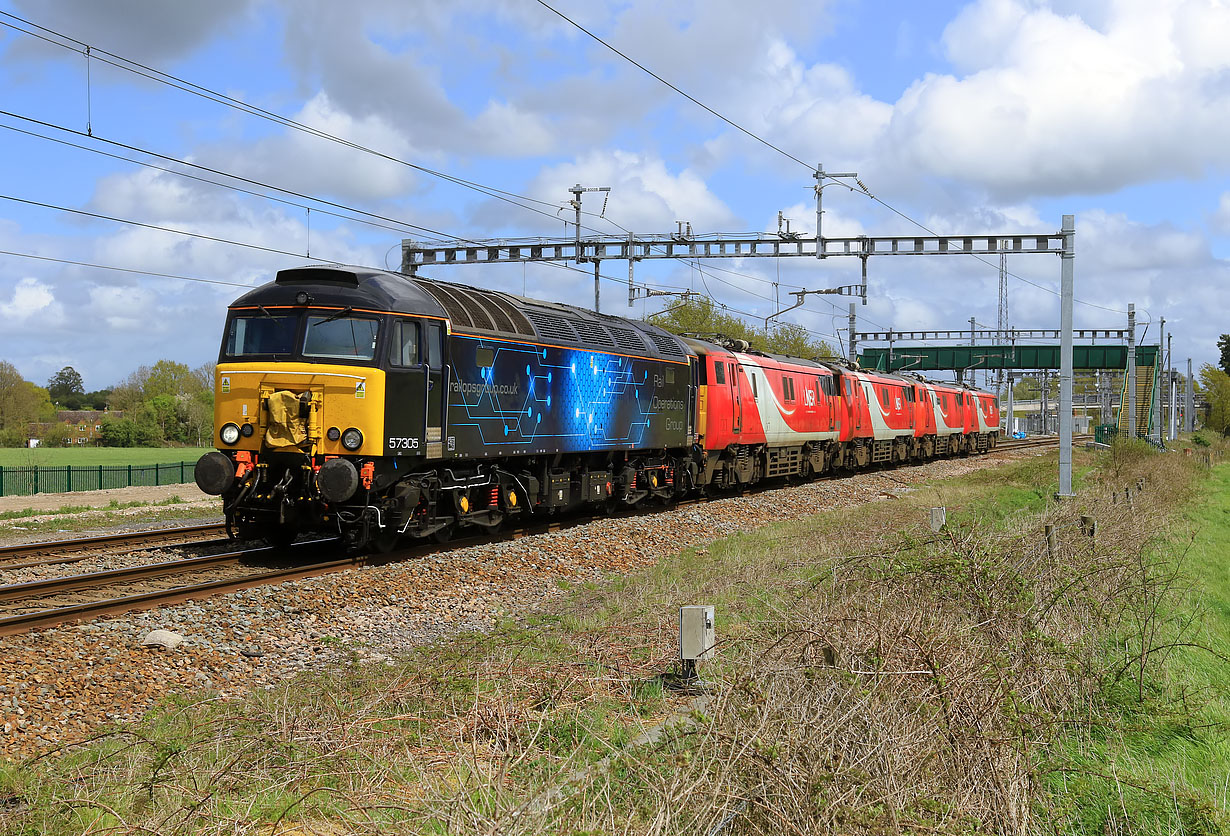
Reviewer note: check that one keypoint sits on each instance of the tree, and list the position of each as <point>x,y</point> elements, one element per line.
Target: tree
<point>58,434</point>
<point>1223,345</point>
<point>1216,385</point>
<point>21,402</point>
<point>125,432</point>
<point>702,318</point>
<point>65,386</point>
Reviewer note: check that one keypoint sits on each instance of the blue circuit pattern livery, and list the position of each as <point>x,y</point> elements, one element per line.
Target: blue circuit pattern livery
<point>507,398</point>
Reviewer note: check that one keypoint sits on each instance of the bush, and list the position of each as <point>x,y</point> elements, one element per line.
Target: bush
<point>12,437</point>
<point>1199,440</point>
<point>124,432</point>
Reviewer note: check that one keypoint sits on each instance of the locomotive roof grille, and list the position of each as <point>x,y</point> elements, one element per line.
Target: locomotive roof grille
<point>552,327</point>
<point>593,333</point>
<point>627,339</point>
<point>667,345</point>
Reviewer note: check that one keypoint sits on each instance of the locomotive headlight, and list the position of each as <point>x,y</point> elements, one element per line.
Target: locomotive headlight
<point>229,433</point>
<point>246,430</point>
<point>333,434</point>
<point>352,439</point>
<point>303,297</point>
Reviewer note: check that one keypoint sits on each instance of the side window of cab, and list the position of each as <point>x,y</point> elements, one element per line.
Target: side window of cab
<point>433,352</point>
<point>404,343</point>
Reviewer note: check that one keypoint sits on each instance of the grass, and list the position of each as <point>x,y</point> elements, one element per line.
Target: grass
<point>874,677</point>
<point>73,518</point>
<point>94,456</point>
<point>1156,759</point>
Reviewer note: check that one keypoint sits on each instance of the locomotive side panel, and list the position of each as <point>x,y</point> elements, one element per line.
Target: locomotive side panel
<point>509,398</point>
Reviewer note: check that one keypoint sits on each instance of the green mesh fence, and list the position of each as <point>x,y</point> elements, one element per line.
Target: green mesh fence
<point>24,481</point>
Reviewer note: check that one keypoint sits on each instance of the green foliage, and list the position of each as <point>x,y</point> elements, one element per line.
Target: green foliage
<point>21,403</point>
<point>164,402</point>
<point>703,319</point>
<point>56,435</point>
<point>1223,347</point>
<point>64,385</point>
<point>125,432</point>
<point>1216,385</point>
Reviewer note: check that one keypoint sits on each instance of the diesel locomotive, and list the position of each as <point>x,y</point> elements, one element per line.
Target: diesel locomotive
<point>376,405</point>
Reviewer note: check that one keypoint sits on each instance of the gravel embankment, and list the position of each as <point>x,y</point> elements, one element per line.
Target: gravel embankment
<point>59,685</point>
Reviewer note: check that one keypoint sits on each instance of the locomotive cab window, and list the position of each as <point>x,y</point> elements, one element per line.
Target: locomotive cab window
<point>433,345</point>
<point>339,336</point>
<point>404,343</point>
<point>261,333</point>
<point>719,372</point>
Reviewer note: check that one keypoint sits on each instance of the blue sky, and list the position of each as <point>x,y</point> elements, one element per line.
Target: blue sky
<point>989,116</point>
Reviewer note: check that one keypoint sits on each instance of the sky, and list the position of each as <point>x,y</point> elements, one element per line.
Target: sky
<point>179,153</point>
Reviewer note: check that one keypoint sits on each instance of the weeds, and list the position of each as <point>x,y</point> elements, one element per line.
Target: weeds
<point>871,677</point>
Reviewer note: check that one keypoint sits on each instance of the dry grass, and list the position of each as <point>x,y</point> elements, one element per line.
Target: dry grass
<point>872,677</point>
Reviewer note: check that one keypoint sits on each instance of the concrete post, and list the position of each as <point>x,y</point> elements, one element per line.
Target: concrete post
<point>1189,405</point>
<point>1009,426</point>
<point>1131,372</point>
<point>1157,381</point>
<point>1172,389</point>
<point>1066,291</point>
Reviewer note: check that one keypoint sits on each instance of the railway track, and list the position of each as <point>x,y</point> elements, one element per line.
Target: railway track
<point>70,551</point>
<point>54,601</point>
<point>1038,441</point>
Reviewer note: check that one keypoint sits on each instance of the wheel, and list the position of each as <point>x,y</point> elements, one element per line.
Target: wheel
<point>280,535</point>
<point>443,535</point>
<point>385,541</point>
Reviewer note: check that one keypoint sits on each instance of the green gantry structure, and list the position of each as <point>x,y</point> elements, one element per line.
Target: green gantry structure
<point>960,358</point>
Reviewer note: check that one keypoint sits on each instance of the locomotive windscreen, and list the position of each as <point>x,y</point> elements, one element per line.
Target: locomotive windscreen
<point>261,334</point>
<point>341,337</point>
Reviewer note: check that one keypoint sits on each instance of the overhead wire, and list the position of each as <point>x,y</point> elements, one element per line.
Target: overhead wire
<point>129,222</point>
<point>122,269</point>
<point>209,94</point>
<point>192,88</point>
<point>862,189</point>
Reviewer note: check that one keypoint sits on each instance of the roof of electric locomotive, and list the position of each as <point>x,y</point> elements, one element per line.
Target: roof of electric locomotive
<point>331,286</point>
<point>470,310</point>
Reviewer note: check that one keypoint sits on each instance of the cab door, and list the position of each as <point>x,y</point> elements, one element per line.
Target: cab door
<point>436,379</point>
<point>405,389</point>
<point>736,399</point>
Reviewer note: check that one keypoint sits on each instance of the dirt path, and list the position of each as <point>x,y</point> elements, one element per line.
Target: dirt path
<point>101,499</point>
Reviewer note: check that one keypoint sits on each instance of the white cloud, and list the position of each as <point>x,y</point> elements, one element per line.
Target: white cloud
<point>144,30</point>
<point>645,194</point>
<point>1052,105</point>
<point>33,303</point>
<point>1219,220</point>
<point>308,164</point>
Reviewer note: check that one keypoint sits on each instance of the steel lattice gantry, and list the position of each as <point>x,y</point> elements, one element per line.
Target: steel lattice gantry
<point>966,357</point>
<point>783,244</point>
<point>415,254</point>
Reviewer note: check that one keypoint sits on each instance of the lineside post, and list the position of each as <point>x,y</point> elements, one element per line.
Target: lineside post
<point>1067,279</point>
<point>1131,372</point>
<point>1189,415</point>
<point>853,338</point>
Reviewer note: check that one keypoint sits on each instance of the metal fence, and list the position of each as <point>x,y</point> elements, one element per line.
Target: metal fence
<point>24,481</point>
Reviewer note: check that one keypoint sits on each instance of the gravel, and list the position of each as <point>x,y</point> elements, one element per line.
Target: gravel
<point>62,684</point>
